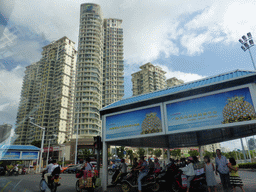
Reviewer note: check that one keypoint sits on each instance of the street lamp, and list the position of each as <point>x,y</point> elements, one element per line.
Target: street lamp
<point>247,43</point>
<point>42,144</point>
<point>54,136</point>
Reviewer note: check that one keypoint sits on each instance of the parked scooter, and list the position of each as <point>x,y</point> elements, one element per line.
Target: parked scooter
<point>198,183</point>
<point>130,181</point>
<point>23,172</point>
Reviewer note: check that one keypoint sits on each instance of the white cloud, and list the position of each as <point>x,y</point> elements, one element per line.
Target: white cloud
<point>10,89</point>
<point>186,77</point>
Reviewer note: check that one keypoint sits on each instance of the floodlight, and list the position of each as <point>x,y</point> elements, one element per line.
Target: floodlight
<point>244,38</point>
<point>246,45</point>
<point>249,35</point>
<point>243,48</point>
<point>241,41</point>
<point>251,42</point>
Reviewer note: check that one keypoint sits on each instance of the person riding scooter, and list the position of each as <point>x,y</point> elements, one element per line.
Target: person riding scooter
<point>48,171</point>
<point>143,167</point>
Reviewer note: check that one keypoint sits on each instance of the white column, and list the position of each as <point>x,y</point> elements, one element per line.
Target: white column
<point>104,181</point>
<point>201,153</point>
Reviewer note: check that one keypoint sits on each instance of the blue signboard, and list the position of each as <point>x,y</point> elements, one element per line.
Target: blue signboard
<point>29,155</point>
<point>218,109</point>
<point>134,123</point>
<point>10,156</point>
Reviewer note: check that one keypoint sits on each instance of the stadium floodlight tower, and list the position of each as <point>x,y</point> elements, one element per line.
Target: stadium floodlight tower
<point>246,46</point>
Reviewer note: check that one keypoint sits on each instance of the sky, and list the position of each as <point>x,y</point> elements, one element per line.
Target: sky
<point>188,39</point>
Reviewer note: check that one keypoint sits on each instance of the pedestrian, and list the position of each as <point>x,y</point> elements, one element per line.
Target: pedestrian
<point>189,171</point>
<point>223,170</point>
<point>209,173</point>
<point>143,167</point>
<point>235,180</point>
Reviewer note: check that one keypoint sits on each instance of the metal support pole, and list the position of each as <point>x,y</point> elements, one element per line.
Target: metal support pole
<point>42,148</point>
<point>248,150</point>
<point>243,149</point>
<point>48,152</point>
<point>77,132</point>
<point>98,160</point>
<point>252,59</point>
<point>168,155</point>
<point>63,154</point>
<point>104,181</point>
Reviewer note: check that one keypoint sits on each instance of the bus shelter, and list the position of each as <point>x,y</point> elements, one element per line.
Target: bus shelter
<point>210,110</point>
<point>26,153</point>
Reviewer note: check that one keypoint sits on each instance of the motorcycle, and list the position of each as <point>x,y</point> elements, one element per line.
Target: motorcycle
<point>197,184</point>
<point>166,176</point>
<point>115,180</point>
<point>12,172</point>
<point>112,169</point>
<point>23,172</point>
<point>130,181</point>
<point>53,182</point>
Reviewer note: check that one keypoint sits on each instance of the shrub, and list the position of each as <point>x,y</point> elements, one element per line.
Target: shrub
<point>247,165</point>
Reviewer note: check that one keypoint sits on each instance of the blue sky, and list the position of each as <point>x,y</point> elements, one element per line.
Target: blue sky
<point>188,39</point>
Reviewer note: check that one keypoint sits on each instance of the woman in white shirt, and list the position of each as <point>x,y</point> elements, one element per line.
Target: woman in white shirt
<point>189,171</point>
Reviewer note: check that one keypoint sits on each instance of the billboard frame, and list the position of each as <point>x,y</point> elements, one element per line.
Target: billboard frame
<point>104,121</point>
<point>253,97</point>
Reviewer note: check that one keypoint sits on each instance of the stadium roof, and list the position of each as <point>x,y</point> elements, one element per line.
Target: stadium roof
<point>190,86</point>
<point>20,147</point>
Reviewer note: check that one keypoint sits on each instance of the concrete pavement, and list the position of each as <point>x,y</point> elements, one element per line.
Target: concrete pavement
<point>30,183</point>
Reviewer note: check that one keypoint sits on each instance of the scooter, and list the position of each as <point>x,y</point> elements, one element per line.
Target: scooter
<point>23,172</point>
<point>119,180</point>
<point>53,182</point>
<point>197,184</point>
<point>130,181</point>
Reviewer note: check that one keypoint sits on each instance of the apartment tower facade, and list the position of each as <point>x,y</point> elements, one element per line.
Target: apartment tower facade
<point>26,104</point>
<point>113,62</point>
<point>88,89</point>
<point>53,95</point>
<point>174,82</point>
<point>150,78</point>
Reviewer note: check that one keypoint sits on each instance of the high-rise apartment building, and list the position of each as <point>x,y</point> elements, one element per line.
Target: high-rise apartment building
<point>149,79</point>
<point>211,147</point>
<point>113,62</point>
<point>100,68</point>
<point>173,82</point>
<point>27,104</point>
<point>51,101</point>
<point>88,90</point>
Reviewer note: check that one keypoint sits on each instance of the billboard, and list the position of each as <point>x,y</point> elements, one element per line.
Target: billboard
<point>29,155</point>
<point>218,109</point>
<point>10,155</point>
<point>137,123</point>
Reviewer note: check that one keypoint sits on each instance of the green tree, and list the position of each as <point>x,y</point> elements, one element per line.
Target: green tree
<point>150,151</point>
<point>120,152</point>
<point>193,153</point>
<point>208,153</point>
<point>36,143</point>
<point>141,152</point>
<point>130,154</point>
<point>85,153</point>
<point>158,153</point>
<point>175,153</point>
